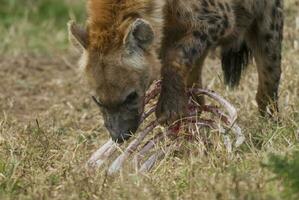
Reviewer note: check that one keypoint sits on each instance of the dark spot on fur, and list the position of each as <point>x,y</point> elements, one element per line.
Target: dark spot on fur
<point>188,54</point>
<point>195,8</point>
<point>188,14</point>
<point>205,11</point>
<point>212,21</point>
<point>277,3</point>
<point>219,27</point>
<point>197,34</point>
<point>203,37</point>
<point>178,14</point>
<point>222,32</point>
<point>212,2</point>
<point>272,27</point>
<point>214,38</point>
<point>205,3</point>
<point>270,68</point>
<point>274,57</point>
<point>225,22</point>
<point>221,6</point>
<point>227,7</point>
<point>194,51</point>
<point>268,37</point>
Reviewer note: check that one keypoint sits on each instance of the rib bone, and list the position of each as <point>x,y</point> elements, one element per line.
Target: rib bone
<point>99,153</point>
<point>190,124</point>
<point>117,164</point>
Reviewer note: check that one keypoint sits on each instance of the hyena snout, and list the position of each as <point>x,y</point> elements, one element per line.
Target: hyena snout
<point>122,125</point>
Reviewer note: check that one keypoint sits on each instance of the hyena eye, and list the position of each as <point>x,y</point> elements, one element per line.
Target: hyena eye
<point>131,98</point>
<point>99,104</point>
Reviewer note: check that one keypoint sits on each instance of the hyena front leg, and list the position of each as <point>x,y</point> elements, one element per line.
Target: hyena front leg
<point>178,61</point>
<point>268,58</point>
<point>181,50</point>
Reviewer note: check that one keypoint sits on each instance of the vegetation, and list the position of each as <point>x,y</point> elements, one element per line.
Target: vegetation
<point>49,126</point>
<point>38,25</point>
<point>286,168</point>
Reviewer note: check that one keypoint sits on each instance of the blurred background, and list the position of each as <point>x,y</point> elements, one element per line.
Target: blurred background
<point>37,25</point>
<point>49,125</point>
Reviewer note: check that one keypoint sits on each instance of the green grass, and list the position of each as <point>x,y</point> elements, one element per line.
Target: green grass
<point>37,25</point>
<point>49,126</point>
<point>286,169</point>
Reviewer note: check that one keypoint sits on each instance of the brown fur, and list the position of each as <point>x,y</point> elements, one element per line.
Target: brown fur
<point>120,57</point>
<point>193,28</point>
<point>124,36</point>
<point>108,24</point>
<point>109,20</point>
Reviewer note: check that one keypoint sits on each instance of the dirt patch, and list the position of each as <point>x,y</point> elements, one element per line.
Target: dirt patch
<point>35,87</point>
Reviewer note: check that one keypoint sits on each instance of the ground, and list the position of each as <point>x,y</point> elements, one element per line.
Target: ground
<point>49,126</point>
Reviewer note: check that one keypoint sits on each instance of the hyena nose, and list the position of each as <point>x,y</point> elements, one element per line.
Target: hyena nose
<point>117,134</point>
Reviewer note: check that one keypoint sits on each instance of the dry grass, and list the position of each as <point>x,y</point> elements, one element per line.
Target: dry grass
<point>49,127</point>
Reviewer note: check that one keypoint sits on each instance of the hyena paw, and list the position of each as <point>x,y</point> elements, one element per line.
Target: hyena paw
<point>171,107</point>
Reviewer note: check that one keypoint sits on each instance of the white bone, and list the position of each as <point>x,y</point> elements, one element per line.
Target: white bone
<point>117,164</point>
<point>99,153</point>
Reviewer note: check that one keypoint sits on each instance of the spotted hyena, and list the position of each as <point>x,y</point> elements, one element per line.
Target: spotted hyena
<point>129,43</point>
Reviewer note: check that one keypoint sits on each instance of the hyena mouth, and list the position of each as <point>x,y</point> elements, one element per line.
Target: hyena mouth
<point>148,150</point>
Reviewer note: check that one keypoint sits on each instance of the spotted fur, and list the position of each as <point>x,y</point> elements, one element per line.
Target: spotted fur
<point>127,43</point>
<point>238,27</point>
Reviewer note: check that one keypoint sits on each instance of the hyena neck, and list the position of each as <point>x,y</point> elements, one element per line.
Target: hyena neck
<point>109,20</point>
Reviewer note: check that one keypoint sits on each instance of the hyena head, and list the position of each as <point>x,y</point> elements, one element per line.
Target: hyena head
<point>120,64</point>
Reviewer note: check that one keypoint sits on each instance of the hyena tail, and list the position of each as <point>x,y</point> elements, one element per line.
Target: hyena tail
<point>234,62</point>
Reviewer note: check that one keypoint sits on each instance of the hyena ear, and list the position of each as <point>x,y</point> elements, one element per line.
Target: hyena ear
<point>140,34</point>
<point>77,35</point>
